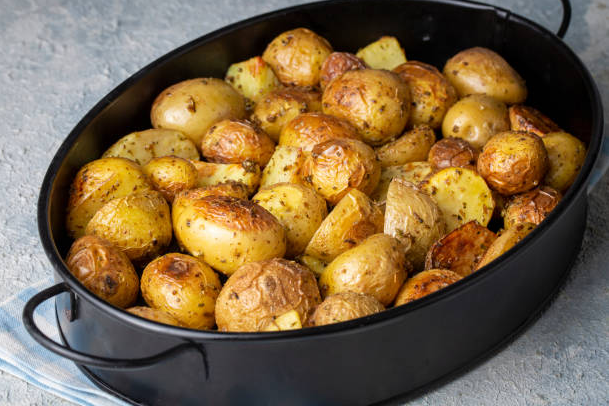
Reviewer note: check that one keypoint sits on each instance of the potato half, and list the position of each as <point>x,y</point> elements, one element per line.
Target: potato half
<point>530,207</point>
<point>384,53</point>
<point>412,146</point>
<point>252,78</point>
<point>566,155</point>
<point>345,306</point>
<point>453,152</point>
<point>531,120</point>
<point>170,175</point>
<point>157,315</point>
<point>413,172</point>
<point>336,64</point>
<point>310,129</point>
<point>505,242</point>
<point>284,166</point>
<point>211,174</point>
<point>425,283</point>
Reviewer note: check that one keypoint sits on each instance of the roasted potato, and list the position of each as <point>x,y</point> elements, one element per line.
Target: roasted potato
<point>345,306</point>
<point>376,267</point>
<point>236,141</point>
<point>284,166</point>
<point>259,292</point>
<point>354,218</point>
<point>413,172</point>
<point>170,175</point>
<point>460,250</point>
<point>430,92</point>
<point>566,155</point>
<point>336,64</point>
<point>279,107</point>
<point>413,218</point>
<point>157,315</point>
<point>412,146</point>
<point>316,265</point>
<point>384,53</point>
<point>194,105</point>
<point>183,286</point>
<point>299,210</point>
<point>513,162</point>
<point>252,78</point>
<point>227,232</point>
<point>96,184</point>
<point>287,321</point>
<point>476,119</point>
<point>142,146</point>
<point>210,174</point>
<point>462,196</point>
<point>530,207</point>
<point>337,166</point>
<point>453,152</point>
<point>376,102</point>
<point>425,283</point>
<point>482,71</point>
<point>310,129</point>
<point>104,269</point>
<point>531,120</point>
<point>139,224</point>
<point>506,240</point>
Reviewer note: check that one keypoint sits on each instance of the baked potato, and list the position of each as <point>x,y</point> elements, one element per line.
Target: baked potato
<point>299,210</point>
<point>531,120</point>
<point>310,129</point>
<point>336,166</point>
<point>104,270</point>
<point>504,242</point>
<point>482,71</point>
<point>345,306</point>
<point>566,155</point>
<point>283,167</point>
<point>336,64</point>
<point>453,152</point>
<point>259,292</point>
<point>194,105</point>
<point>227,232</point>
<point>211,174</point>
<point>376,267</point>
<point>376,102</point>
<point>413,172</point>
<point>157,315</point>
<point>184,287</point>
<point>425,283</point>
<point>513,162</point>
<point>170,175</point>
<point>412,146</point>
<point>530,207</point>
<point>384,53</point>
<point>431,94</point>
<point>252,78</point>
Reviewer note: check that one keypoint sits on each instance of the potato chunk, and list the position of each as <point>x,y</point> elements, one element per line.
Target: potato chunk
<point>412,146</point>
<point>384,53</point>
<point>252,78</point>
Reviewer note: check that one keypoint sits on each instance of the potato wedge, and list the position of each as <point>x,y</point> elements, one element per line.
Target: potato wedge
<point>506,240</point>
<point>413,172</point>
<point>210,174</point>
<point>566,155</point>
<point>252,78</point>
<point>425,283</point>
<point>529,119</point>
<point>384,53</point>
<point>283,167</point>
<point>412,146</point>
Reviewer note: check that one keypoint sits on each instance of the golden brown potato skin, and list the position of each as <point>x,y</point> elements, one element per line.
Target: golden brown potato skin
<point>336,64</point>
<point>482,71</point>
<point>425,283</point>
<point>236,141</point>
<point>260,291</point>
<point>345,306</point>
<point>430,92</point>
<point>337,166</point>
<point>154,314</point>
<point>566,155</point>
<point>184,287</point>
<point>505,242</point>
<point>530,207</point>
<point>529,119</point>
<point>455,152</point>
<point>376,102</point>
<point>513,162</point>
<point>284,166</point>
<point>104,269</point>
<point>171,175</point>
<point>296,57</point>
<point>412,146</point>
<point>310,129</point>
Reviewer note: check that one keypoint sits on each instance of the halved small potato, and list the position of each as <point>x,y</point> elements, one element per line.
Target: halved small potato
<point>283,167</point>
<point>384,53</point>
<point>252,78</point>
<point>171,175</point>
<point>530,207</point>
<point>287,321</point>
<point>506,240</point>
<point>412,146</point>
<point>413,172</point>
<point>529,119</point>
<point>425,283</point>
<point>210,174</point>
<point>345,306</point>
<point>566,155</point>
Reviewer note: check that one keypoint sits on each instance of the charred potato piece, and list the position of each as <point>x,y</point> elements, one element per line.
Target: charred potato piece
<point>566,155</point>
<point>211,174</point>
<point>513,162</point>
<point>476,119</point>
<point>413,172</point>
<point>460,250</point>
<point>298,208</point>
<point>531,120</point>
<point>337,166</point>
<point>157,315</point>
<point>384,53</point>
<point>104,269</point>
<point>252,78</point>
<point>344,306</point>
<point>431,94</point>
<point>259,292</point>
<point>425,283</point>
<point>482,71</point>
<point>412,146</point>
<point>453,152</point>
<point>226,232</point>
<point>192,106</point>
<point>506,240</point>
<point>310,129</point>
<point>376,102</point>
<point>170,175</point>
<point>376,267</point>
<point>284,166</point>
<point>336,64</point>
<point>530,207</point>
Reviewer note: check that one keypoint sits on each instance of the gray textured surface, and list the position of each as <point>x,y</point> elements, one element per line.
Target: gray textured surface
<point>60,57</point>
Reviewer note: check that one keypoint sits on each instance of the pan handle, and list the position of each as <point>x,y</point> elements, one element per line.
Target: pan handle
<point>566,18</point>
<point>81,357</point>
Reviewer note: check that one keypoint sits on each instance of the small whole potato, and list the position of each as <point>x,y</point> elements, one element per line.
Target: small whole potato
<point>376,102</point>
<point>425,283</point>
<point>104,269</point>
<point>157,315</point>
<point>376,267</point>
<point>194,105</point>
<point>336,64</point>
<point>453,152</point>
<point>345,306</point>
<point>566,155</point>
<point>412,146</point>
<point>236,141</point>
<point>513,162</point>
<point>337,166</point>
<point>259,292</point>
<point>310,129</point>
<point>482,71</point>
<point>227,232</point>
<point>531,120</point>
<point>430,92</point>
<point>530,207</point>
<point>296,57</point>
<point>476,119</point>
<point>170,175</point>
